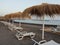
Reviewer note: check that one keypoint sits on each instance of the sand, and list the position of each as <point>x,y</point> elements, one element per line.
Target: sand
<point>8,38</point>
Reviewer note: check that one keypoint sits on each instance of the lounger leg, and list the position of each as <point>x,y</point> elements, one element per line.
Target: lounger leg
<point>20,38</point>
<point>32,36</point>
<point>43,41</point>
<point>35,42</point>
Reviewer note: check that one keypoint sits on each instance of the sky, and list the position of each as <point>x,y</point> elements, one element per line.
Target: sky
<point>11,6</point>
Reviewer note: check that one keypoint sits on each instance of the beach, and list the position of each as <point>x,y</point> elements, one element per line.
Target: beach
<point>7,37</point>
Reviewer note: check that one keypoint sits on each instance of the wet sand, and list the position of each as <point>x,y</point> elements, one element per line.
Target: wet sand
<point>8,38</point>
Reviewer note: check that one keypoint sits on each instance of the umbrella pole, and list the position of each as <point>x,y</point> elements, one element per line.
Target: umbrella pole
<point>12,21</point>
<point>43,29</point>
<point>19,24</point>
<point>43,40</point>
<point>9,20</point>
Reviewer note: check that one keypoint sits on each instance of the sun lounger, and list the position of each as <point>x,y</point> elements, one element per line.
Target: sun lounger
<point>21,35</point>
<point>50,43</point>
<point>15,28</point>
<point>56,29</point>
<point>5,23</point>
<point>46,43</point>
<point>12,26</point>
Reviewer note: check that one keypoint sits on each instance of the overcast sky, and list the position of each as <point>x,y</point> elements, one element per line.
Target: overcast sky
<point>9,6</point>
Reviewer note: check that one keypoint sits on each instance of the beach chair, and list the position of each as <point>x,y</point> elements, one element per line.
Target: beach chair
<point>12,26</point>
<point>21,35</point>
<point>56,29</point>
<point>5,23</point>
<point>45,43</point>
<point>15,28</point>
<point>40,42</point>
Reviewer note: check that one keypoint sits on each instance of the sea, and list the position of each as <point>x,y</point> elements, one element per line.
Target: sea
<point>33,21</point>
<point>37,20</point>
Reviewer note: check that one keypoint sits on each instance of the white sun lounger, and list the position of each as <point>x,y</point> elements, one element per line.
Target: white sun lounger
<point>55,29</point>
<point>50,43</point>
<point>21,35</point>
<point>11,26</point>
<point>46,43</point>
<point>15,28</point>
<point>5,23</point>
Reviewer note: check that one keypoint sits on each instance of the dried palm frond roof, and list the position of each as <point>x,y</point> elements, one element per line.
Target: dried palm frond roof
<point>43,9</point>
<point>14,15</point>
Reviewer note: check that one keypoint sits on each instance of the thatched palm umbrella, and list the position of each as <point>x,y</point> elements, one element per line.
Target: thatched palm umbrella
<point>17,15</point>
<point>41,10</point>
<point>13,15</point>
